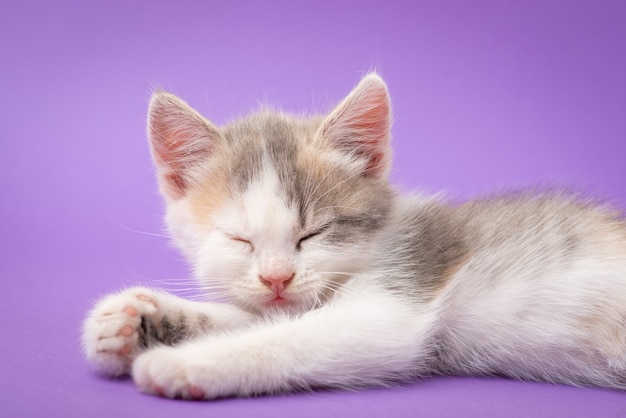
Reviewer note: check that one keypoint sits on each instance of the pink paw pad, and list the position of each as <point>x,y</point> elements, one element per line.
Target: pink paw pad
<point>124,351</point>
<point>158,390</point>
<point>130,311</point>
<point>126,331</point>
<point>195,392</point>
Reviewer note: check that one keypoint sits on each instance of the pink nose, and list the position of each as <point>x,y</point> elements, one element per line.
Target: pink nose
<point>277,284</point>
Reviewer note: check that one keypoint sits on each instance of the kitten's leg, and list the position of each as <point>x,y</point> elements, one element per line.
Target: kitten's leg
<point>123,325</point>
<point>351,345</point>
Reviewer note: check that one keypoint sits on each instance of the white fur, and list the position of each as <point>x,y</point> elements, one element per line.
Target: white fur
<point>535,322</point>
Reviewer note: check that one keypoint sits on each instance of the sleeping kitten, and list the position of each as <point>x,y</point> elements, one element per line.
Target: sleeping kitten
<point>333,279</point>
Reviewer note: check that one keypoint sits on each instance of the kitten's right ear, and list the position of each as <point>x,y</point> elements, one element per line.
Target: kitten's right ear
<point>360,127</point>
<point>181,139</point>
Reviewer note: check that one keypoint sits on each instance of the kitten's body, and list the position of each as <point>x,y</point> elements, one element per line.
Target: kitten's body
<point>335,279</point>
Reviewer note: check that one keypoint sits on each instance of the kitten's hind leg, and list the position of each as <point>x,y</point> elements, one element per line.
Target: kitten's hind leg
<point>121,326</point>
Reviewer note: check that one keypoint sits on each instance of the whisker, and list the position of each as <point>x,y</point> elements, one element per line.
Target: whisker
<point>334,187</point>
<point>343,207</point>
<point>357,174</point>
<point>307,203</point>
<point>338,288</point>
<point>151,234</point>
<point>337,272</point>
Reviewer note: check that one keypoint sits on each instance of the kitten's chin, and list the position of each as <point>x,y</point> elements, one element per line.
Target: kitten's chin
<point>280,302</point>
<point>283,304</point>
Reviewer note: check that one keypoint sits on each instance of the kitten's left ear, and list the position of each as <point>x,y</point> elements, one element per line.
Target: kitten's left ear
<point>181,140</point>
<point>360,127</point>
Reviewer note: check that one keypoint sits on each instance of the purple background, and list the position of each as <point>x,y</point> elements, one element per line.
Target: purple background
<point>487,95</point>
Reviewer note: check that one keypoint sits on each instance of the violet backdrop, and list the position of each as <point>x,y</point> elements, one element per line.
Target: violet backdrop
<point>487,94</point>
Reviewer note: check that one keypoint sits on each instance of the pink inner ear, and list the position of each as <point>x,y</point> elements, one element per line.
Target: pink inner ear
<point>377,164</point>
<point>361,125</point>
<point>173,154</point>
<point>180,140</point>
<point>371,146</point>
<point>176,183</point>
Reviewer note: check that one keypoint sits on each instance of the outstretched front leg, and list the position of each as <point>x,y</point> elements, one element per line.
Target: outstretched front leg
<point>121,326</point>
<point>348,345</point>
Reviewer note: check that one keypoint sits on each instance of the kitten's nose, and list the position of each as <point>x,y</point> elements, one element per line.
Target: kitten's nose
<point>278,283</point>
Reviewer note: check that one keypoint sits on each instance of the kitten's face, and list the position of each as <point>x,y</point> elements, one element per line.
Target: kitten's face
<point>275,212</point>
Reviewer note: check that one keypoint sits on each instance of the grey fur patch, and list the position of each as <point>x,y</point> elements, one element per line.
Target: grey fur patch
<point>169,330</point>
<point>352,205</point>
<point>204,322</point>
<point>528,230</point>
<point>429,244</point>
<point>493,238</point>
<point>246,161</point>
<point>267,137</point>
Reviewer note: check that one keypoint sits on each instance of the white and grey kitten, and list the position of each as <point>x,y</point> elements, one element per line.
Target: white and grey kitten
<point>333,279</point>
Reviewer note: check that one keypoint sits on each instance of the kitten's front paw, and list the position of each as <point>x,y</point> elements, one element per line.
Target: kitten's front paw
<point>113,334</point>
<point>194,371</point>
<point>168,372</point>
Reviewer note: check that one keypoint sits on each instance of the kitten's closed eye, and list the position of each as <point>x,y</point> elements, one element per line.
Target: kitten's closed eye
<point>245,242</point>
<point>310,235</point>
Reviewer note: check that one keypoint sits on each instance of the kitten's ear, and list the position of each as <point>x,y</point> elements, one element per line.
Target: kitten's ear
<point>360,127</point>
<point>181,140</point>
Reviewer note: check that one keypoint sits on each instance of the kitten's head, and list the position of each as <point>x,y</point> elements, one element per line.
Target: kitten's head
<point>273,211</point>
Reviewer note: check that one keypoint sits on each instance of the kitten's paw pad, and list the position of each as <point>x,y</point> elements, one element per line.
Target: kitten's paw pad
<point>112,333</point>
<point>187,392</point>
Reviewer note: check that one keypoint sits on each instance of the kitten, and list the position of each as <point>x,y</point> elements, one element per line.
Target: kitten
<point>333,279</point>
